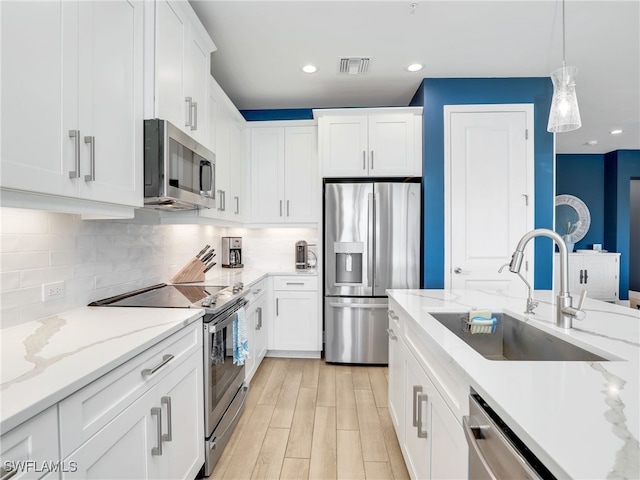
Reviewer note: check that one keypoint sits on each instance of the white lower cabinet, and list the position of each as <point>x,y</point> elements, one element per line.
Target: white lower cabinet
<point>256,328</point>
<point>597,273</point>
<point>429,433</point>
<point>295,326</point>
<point>36,440</point>
<point>143,419</point>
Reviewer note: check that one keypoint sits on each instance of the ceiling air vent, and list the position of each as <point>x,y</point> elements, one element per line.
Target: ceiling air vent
<point>354,65</point>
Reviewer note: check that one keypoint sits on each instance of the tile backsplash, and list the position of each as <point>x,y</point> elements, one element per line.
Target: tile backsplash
<point>100,258</point>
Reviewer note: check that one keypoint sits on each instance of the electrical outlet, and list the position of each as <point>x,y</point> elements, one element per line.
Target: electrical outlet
<point>51,291</point>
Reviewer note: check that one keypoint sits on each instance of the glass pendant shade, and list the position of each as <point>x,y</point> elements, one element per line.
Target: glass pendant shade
<point>565,114</point>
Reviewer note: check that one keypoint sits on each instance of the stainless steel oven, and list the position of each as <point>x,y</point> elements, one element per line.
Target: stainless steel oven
<point>224,389</point>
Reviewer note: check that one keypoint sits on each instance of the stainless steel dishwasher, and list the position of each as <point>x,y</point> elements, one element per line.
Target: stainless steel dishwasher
<point>495,452</point>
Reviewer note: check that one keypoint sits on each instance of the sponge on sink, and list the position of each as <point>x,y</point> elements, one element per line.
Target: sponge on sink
<point>479,314</point>
<point>481,321</point>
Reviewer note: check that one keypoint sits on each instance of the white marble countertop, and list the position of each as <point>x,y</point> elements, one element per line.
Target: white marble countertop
<point>47,360</point>
<point>248,276</point>
<point>581,419</point>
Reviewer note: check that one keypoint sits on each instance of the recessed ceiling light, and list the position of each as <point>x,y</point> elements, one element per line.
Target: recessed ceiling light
<point>414,67</point>
<point>616,132</point>
<point>309,69</point>
<point>592,143</point>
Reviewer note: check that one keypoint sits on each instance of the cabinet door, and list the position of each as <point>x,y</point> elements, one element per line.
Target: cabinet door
<point>252,327</point>
<point>198,74</point>
<point>111,103</point>
<point>171,45</point>
<point>418,392</point>
<point>37,151</point>
<point>344,146</point>
<point>295,321</point>
<point>300,174</point>
<point>123,448</point>
<point>391,145</point>
<point>180,398</point>
<point>261,332</point>
<point>235,196</point>
<point>449,447</point>
<point>600,276</point>
<point>267,179</point>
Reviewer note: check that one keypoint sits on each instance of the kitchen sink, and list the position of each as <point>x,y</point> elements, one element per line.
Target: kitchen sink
<point>515,340</point>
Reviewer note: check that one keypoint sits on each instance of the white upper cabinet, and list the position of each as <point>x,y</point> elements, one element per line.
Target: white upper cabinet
<point>178,51</point>
<point>284,181</point>
<point>380,142</point>
<point>72,120</point>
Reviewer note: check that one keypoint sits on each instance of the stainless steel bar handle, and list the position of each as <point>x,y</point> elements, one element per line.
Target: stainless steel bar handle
<point>416,390</point>
<point>7,472</point>
<point>237,205</point>
<point>295,283</point>
<point>75,134</point>
<point>92,158</point>
<point>167,437</point>
<point>157,412</point>
<point>364,160</point>
<point>277,307</point>
<point>586,276</point>
<point>220,208</point>
<point>280,207</point>
<point>189,121</point>
<point>370,233</point>
<point>473,444</point>
<point>150,371</point>
<point>371,159</point>
<point>194,119</point>
<point>391,335</point>
<point>421,397</point>
<point>391,314</point>
<point>581,276</point>
<point>367,306</point>
<point>259,311</point>
<point>287,208</point>
<point>224,201</point>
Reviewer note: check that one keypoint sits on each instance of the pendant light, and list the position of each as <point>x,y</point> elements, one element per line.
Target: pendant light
<point>565,114</point>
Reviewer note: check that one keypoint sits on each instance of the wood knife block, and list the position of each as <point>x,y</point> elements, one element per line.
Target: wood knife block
<point>193,271</point>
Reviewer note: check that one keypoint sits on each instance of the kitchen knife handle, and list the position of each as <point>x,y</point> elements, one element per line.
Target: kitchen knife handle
<point>75,134</point>
<point>209,267</point>
<point>92,158</point>
<point>201,252</point>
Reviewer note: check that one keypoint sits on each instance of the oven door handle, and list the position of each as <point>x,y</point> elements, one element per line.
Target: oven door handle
<point>225,323</point>
<point>213,444</point>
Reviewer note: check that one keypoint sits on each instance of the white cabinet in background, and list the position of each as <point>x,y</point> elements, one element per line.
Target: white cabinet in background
<point>229,132</point>
<point>597,273</point>
<point>257,326</point>
<point>177,67</point>
<point>284,180</point>
<point>295,325</point>
<point>72,121</point>
<point>35,440</point>
<point>370,142</point>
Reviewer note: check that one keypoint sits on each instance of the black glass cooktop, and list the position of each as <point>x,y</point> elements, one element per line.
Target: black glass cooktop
<point>162,296</point>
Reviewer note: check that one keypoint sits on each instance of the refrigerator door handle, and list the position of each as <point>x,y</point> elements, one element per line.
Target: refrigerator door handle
<point>359,305</point>
<point>370,236</point>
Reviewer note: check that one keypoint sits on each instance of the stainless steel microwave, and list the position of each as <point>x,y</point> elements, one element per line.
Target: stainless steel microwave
<point>179,173</point>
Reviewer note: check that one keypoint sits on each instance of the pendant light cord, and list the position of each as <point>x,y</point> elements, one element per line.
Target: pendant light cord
<point>564,53</point>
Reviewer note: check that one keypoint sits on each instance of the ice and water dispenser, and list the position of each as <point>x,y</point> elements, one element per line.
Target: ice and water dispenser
<point>349,262</point>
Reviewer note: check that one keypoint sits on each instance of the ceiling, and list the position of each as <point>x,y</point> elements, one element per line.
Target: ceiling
<point>263,44</point>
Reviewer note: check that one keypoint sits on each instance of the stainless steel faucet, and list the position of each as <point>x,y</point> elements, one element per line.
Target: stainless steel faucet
<point>531,303</point>
<point>565,312</point>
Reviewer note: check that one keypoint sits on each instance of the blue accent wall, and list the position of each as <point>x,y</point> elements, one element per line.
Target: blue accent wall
<point>620,167</point>
<point>582,175</point>
<point>433,95</point>
<point>281,114</point>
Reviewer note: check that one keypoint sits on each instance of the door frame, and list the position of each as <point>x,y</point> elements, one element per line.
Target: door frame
<point>528,109</point>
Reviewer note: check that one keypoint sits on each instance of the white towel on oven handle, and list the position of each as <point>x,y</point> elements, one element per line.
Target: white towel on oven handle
<point>240,338</point>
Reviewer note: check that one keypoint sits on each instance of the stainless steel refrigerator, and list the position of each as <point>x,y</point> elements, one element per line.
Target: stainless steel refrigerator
<point>372,243</point>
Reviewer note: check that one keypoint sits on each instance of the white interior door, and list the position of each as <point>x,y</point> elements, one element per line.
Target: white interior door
<point>489,194</point>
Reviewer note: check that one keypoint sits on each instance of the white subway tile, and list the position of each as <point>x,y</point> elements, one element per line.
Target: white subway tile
<point>25,221</point>
<point>10,317</point>
<point>39,276</point>
<point>72,257</point>
<point>23,260</point>
<point>20,297</point>
<point>9,281</point>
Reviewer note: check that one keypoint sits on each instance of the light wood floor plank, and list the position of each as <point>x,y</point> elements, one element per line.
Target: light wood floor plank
<point>244,458</point>
<point>323,465</point>
<point>294,372</point>
<point>350,463</point>
<point>378,471</point>
<point>310,373</point>
<point>374,448</point>
<point>285,407</point>
<point>272,388</point>
<point>343,369</point>
<point>361,379</point>
<point>269,462</point>
<point>396,459</point>
<point>327,386</point>
<point>301,435</point>
<point>346,412</point>
<point>262,374</point>
<point>379,385</point>
<point>295,469</point>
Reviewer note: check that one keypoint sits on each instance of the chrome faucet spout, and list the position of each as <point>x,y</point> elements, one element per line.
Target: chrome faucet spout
<point>565,310</point>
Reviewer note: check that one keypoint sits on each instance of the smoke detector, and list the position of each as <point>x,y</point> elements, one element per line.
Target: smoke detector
<point>354,65</point>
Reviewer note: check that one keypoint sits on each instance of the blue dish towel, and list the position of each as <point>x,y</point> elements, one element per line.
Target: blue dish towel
<point>240,338</point>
